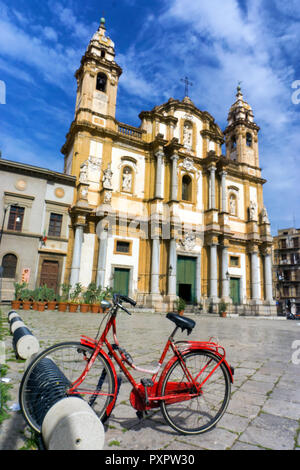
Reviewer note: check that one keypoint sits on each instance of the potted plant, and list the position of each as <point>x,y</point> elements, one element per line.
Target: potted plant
<point>51,300</point>
<point>42,296</point>
<point>104,294</point>
<point>88,297</point>
<point>74,297</point>
<point>222,308</point>
<point>180,306</point>
<point>35,295</point>
<point>64,298</point>
<point>26,296</point>
<point>16,303</point>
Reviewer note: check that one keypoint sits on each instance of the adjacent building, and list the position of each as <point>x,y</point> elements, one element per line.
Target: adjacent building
<point>34,217</point>
<point>286,270</point>
<point>159,211</point>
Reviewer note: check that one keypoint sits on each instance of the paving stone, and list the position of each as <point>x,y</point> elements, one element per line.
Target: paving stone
<point>260,350</point>
<point>271,432</point>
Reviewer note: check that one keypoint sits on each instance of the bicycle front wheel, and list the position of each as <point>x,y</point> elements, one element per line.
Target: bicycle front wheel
<point>51,374</point>
<point>200,411</point>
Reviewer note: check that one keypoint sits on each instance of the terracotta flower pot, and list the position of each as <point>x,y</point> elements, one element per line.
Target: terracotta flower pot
<point>41,306</point>
<point>34,305</point>
<point>51,305</point>
<point>95,308</point>
<point>62,306</point>
<point>15,304</point>
<point>73,307</point>
<point>26,304</point>
<point>84,308</point>
<point>181,312</point>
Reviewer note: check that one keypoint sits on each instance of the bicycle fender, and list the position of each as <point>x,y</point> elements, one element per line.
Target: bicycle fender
<point>175,358</point>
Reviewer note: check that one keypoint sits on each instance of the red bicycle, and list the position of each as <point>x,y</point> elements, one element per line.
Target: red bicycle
<point>192,389</point>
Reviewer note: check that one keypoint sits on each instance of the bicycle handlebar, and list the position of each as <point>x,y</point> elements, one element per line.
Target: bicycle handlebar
<point>119,298</point>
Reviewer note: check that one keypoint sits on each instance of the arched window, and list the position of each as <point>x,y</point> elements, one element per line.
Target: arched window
<point>9,265</point>
<point>232,204</point>
<point>186,191</point>
<point>248,139</point>
<point>103,53</point>
<point>233,143</point>
<point>188,135</point>
<point>127,179</point>
<point>101,82</point>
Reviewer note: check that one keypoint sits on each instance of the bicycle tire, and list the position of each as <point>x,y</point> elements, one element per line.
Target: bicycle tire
<point>201,413</point>
<point>49,376</point>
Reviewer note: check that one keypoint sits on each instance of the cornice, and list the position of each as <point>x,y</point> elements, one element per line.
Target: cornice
<point>34,171</point>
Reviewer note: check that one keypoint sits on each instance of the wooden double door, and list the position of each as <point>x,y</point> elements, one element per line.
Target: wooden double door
<point>50,274</point>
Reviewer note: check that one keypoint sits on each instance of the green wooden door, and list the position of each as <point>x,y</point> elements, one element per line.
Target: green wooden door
<point>235,290</point>
<point>121,281</point>
<point>186,278</point>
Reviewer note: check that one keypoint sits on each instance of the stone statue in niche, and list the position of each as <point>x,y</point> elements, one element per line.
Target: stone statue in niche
<point>252,210</point>
<point>264,216</point>
<point>232,205</point>
<point>127,179</point>
<point>187,135</point>
<point>83,176</point>
<point>107,176</point>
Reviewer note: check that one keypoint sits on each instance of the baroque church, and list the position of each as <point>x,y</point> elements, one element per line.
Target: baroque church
<point>158,211</point>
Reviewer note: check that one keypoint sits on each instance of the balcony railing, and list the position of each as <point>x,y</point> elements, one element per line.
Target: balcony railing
<point>130,131</point>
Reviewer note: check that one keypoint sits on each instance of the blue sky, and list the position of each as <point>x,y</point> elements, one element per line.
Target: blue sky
<point>216,43</point>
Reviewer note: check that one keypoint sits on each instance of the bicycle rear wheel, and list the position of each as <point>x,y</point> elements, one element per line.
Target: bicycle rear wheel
<point>50,375</point>
<point>201,412</point>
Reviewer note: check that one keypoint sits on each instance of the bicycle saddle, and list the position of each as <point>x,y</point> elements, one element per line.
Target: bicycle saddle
<point>182,322</point>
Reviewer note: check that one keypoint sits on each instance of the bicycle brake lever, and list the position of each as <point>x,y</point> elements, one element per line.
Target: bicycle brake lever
<point>123,308</point>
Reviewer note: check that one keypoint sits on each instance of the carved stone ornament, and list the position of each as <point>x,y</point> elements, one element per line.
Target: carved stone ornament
<point>188,164</point>
<point>94,163</point>
<point>107,197</point>
<point>189,241</point>
<point>83,177</point>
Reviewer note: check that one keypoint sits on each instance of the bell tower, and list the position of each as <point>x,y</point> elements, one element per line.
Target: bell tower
<point>97,81</point>
<point>241,133</point>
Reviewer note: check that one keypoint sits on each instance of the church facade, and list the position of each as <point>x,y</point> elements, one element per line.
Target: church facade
<point>158,211</point>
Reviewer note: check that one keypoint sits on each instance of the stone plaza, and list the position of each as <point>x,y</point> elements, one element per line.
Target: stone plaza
<point>264,411</point>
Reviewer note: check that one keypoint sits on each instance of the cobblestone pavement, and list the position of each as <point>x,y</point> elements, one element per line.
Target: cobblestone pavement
<point>264,411</point>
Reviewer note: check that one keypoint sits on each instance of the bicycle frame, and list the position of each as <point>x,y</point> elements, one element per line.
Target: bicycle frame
<point>144,398</point>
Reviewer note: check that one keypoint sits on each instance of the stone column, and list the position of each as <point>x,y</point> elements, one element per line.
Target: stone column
<point>198,278</point>
<point>213,281</point>
<point>155,265</point>
<point>255,281</point>
<point>223,191</point>
<point>174,184</point>
<point>76,260</point>
<point>159,174</point>
<point>212,192</point>
<point>268,276</point>
<point>172,268</point>
<point>225,281</point>
<point>102,259</point>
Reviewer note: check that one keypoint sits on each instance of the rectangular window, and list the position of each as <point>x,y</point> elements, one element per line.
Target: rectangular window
<point>234,261</point>
<point>55,225</point>
<point>16,216</point>
<point>122,247</point>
